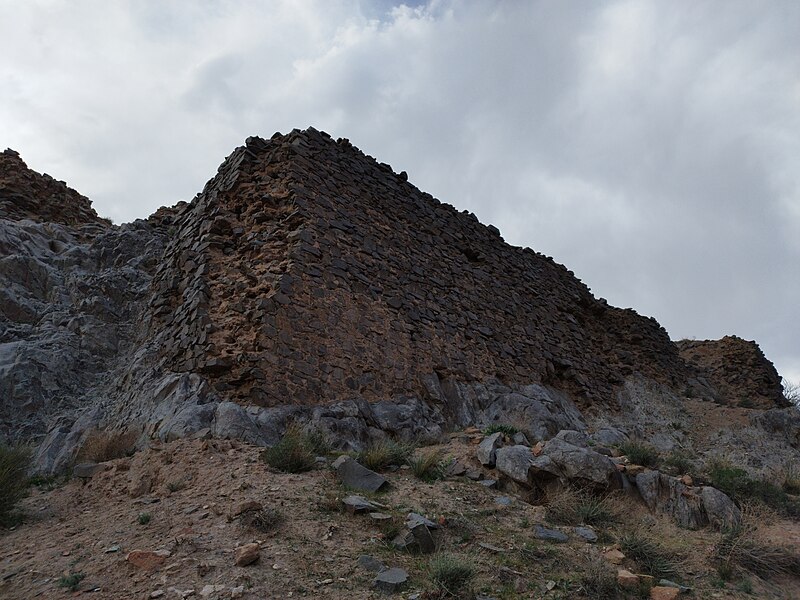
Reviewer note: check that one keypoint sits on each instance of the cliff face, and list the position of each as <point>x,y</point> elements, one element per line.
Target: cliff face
<point>306,282</point>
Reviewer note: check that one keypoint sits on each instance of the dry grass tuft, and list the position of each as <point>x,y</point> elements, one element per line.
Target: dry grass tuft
<point>103,445</point>
<point>575,506</point>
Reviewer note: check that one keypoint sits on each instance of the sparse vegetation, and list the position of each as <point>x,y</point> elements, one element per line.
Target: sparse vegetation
<point>641,453</point>
<point>599,582</point>
<point>679,462</point>
<point>571,506</point>
<point>741,548</point>
<point>427,466</point>
<point>71,581</point>
<point>508,430</point>
<point>384,453</point>
<point>791,391</point>
<point>451,575</point>
<point>295,452</point>
<point>265,520</point>
<point>144,518</point>
<point>741,487</point>
<point>14,464</point>
<point>103,445</point>
<point>650,556</point>
<point>176,486</point>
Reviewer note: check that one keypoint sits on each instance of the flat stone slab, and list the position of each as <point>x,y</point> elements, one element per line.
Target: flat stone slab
<point>586,533</point>
<point>370,563</point>
<point>358,504</point>
<point>358,477</point>
<point>551,535</point>
<point>391,580</point>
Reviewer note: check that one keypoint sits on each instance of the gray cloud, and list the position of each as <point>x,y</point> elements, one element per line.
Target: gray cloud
<point>652,148</point>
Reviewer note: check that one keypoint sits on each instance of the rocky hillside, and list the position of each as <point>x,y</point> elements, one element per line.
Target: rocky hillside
<point>310,283</point>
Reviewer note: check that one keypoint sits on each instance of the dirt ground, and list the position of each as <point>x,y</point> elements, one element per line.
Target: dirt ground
<point>181,498</point>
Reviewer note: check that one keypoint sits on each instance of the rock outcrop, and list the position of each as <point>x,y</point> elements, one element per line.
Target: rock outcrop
<point>307,282</point>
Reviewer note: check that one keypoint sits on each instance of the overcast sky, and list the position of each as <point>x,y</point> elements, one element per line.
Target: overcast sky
<point>652,147</point>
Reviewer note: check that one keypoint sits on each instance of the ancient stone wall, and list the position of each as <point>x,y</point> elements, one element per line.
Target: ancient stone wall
<point>26,194</point>
<point>307,271</point>
<point>738,369</point>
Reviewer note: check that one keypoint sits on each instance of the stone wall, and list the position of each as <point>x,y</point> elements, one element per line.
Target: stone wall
<point>309,271</point>
<point>738,369</point>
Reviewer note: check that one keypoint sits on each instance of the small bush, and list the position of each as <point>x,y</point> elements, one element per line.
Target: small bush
<point>790,479</point>
<point>265,520</point>
<point>741,548</point>
<point>451,575</point>
<point>380,455</point>
<point>428,466</point>
<point>652,558</point>
<point>599,582</point>
<point>294,453</point>
<point>14,464</point>
<point>737,484</point>
<point>640,453</point>
<point>508,430</point>
<point>144,518</point>
<point>176,486</point>
<point>679,461</point>
<point>71,581</point>
<point>103,445</point>
<point>570,506</point>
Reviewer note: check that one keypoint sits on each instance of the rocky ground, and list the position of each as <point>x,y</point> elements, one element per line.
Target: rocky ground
<point>174,519</point>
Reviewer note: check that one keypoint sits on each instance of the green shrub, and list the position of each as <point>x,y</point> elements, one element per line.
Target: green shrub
<point>508,430</point>
<point>652,558</point>
<point>737,484</point>
<point>380,455</point>
<point>71,581</point>
<point>428,466</point>
<point>640,453</point>
<point>144,518</point>
<point>451,575</point>
<point>679,461</point>
<point>294,453</point>
<point>14,464</point>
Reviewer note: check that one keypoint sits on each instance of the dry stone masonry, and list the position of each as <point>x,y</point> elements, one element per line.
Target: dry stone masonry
<point>308,282</point>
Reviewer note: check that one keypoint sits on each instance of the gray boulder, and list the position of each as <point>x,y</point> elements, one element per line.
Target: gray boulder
<point>514,462</point>
<point>568,462</point>
<point>721,511</point>
<point>487,448</point>
<point>668,495</point>
<point>357,477</point>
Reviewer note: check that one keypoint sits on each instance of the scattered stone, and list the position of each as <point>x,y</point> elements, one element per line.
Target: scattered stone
<point>211,589</point>
<point>627,580</point>
<point>456,469</point>
<point>504,500</point>
<point>112,549</point>
<point>520,439</point>
<point>391,580</point>
<point>414,519</point>
<point>614,556</point>
<point>667,583</point>
<point>491,548</point>
<point>488,483</point>
<point>237,592</point>
<point>550,535</point>
<point>247,506</point>
<point>664,593</point>
<point>586,533</point>
<point>247,554</point>
<point>370,563</point>
<point>157,594</point>
<point>380,517</point>
<point>514,462</point>
<point>423,538</point>
<point>357,477</point>
<point>148,560</point>
<point>358,504</point>
<point>488,447</point>
<point>404,540</point>
<point>473,474</point>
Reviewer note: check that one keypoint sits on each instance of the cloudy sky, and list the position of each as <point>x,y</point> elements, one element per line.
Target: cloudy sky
<point>652,147</point>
